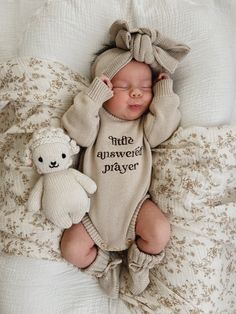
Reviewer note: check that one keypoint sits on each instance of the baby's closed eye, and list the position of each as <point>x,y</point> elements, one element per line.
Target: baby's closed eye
<point>146,87</point>
<point>126,87</point>
<point>121,87</point>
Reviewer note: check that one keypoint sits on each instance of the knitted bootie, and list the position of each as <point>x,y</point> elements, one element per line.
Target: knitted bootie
<point>139,264</point>
<point>106,268</point>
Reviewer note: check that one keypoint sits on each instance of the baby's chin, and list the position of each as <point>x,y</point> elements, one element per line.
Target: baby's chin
<point>135,111</point>
<point>133,116</point>
<point>131,113</point>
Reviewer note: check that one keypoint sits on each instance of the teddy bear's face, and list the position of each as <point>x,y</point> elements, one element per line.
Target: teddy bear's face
<point>52,157</point>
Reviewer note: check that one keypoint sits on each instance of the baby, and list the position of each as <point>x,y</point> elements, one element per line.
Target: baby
<point>122,115</point>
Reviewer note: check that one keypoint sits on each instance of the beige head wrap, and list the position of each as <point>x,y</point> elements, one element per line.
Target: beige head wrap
<point>143,45</point>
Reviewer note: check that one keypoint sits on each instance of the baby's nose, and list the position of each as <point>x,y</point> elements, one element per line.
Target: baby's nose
<point>135,92</point>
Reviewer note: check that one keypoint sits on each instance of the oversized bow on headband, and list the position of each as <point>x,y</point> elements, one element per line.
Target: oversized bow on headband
<point>143,45</point>
<point>148,46</point>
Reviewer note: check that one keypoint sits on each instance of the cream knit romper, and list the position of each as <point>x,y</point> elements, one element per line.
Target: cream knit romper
<point>118,158</point>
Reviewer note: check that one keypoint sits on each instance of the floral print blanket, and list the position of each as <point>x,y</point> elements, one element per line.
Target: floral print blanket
<point>194,183</point>
<point>34,93</point>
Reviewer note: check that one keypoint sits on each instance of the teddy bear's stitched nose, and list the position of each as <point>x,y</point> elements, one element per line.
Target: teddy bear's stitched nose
<point>53,163</point>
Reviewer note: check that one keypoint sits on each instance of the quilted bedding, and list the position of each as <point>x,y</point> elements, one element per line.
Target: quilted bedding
<point>35,94</point>
<point>194,182</point>
<point>42,59</point>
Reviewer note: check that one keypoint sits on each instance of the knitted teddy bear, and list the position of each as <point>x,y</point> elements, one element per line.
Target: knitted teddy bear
<point>60,191</point>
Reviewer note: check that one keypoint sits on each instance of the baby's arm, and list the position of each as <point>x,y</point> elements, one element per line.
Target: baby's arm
<point>81,120</point>
<point>164,115</point>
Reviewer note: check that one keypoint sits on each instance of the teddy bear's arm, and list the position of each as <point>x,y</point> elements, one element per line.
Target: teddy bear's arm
<point>87,183</point>
<point>35,197</point>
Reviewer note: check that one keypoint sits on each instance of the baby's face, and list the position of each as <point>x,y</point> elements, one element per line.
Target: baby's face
<point>132,87</point>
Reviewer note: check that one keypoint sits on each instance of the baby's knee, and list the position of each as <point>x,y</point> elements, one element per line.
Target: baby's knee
<point>74,250</point>
<point>162,232</point>
<point>69,246</point>
<point>159,236</point>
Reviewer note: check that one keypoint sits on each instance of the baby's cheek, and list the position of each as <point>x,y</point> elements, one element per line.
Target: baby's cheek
<point>149,98</point>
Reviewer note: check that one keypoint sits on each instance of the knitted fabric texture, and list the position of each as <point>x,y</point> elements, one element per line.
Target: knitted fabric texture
<point>140,264</point>
<point>52,135</point>
<point>124,167</point>
<point>141,44</point>
<point>61,193</point>
<point>106,267</point>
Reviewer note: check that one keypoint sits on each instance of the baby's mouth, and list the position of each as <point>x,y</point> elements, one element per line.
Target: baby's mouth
<point>135,106</point>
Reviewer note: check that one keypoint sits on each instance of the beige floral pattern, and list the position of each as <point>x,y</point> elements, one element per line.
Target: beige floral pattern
<point>194,182</point>
<point>35,93</point>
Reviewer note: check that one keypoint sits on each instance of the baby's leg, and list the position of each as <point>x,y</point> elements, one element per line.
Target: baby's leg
<point>153,228</point>
<point>77,247</point>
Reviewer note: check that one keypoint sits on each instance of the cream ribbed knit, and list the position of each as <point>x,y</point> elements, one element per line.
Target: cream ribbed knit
<point>141,44</point>
<point>118,157</point>
<point>106,268</point>
<point>139,264</point>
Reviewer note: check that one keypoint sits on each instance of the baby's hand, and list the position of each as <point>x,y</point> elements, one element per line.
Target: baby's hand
<point>163,76</point>
<point>106,80</point>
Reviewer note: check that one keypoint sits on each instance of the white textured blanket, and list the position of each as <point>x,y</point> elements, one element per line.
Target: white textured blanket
<point>194,183</point>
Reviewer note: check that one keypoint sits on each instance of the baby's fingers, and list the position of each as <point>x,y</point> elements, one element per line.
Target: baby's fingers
<point>163,76</point>
<point>106,80</point>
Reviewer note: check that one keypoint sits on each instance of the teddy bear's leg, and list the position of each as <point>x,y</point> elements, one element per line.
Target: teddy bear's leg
<point>76,217</point>
<point>106,268</point>
<point>59,219</point>
<point>139,264</point>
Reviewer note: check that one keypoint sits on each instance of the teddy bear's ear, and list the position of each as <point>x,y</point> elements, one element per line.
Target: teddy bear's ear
<point>27,158</point>
<point>74,147</point>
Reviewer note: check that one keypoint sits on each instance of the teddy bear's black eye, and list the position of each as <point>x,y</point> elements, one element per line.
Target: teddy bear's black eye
<point>40,159</point>
<point>63,156</point>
